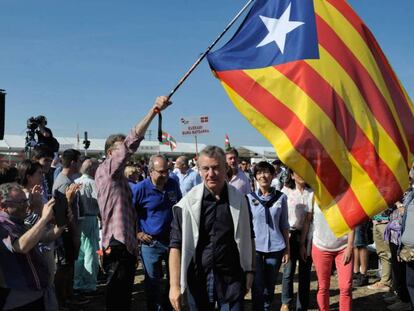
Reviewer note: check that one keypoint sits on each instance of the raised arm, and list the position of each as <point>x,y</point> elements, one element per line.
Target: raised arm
<point>120,154</point>
<point>32,236</point>
<point>160,104</point>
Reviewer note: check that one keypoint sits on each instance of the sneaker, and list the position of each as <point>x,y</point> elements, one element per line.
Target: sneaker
<point>361,281</point>
<point>356,275</point>
<point>379,287</point>
<point>400,306</point>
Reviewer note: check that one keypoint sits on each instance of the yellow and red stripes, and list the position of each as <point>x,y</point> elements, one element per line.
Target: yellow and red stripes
<point>343,121</point>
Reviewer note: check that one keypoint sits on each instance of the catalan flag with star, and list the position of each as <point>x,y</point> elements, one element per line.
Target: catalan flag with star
<point>310,76</point>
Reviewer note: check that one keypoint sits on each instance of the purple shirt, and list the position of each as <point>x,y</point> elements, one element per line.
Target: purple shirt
<point>115,198</point>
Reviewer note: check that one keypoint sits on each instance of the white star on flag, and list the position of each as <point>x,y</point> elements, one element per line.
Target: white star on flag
<point>278,29</point>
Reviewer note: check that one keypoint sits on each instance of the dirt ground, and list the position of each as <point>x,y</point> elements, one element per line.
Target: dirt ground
<point>363,299</point>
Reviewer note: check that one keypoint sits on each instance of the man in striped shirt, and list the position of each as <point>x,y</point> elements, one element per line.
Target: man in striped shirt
<point>118,215</point>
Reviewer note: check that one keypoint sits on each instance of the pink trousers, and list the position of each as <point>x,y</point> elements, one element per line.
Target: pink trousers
<point>323,261</point>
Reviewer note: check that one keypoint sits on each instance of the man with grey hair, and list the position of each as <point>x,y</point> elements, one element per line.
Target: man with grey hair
<point>25,270</point>
<point>154,198</point>
<point>188,178</point>
<point>212,241</point>
<point>87,264</point>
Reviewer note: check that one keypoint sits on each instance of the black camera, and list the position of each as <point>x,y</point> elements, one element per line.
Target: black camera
<point>33,123</point>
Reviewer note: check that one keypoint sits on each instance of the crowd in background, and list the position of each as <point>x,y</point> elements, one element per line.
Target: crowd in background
<point>68,222</point>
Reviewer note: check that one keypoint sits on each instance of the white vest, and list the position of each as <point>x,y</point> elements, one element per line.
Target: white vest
<point>191,208</point>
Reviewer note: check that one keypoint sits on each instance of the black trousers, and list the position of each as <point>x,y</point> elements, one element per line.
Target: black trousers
<point>410,280</point>
<point>37,305</point>
<point>399,282</point>
<point>121,272</point>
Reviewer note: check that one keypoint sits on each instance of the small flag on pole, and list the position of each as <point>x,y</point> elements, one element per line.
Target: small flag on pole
<point>168,140</point>
<point>310,76</point>
<point>227,145</point>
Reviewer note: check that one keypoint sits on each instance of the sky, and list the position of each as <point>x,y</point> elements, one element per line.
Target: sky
<point>97,65</point>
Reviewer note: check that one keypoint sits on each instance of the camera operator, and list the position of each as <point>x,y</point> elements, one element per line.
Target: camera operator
<point>44,134</point>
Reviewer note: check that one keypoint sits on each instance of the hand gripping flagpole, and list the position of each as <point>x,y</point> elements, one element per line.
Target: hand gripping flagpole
<point>197,62</point>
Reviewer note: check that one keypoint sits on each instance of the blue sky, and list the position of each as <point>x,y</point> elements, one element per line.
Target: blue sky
<point>100,63</point>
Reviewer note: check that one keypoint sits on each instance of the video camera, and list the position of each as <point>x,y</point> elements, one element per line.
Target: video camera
<point>37,125</point>
<point>34,122</point>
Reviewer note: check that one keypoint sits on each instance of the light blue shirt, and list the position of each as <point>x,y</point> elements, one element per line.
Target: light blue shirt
<point>188,180</point>
<point>269,222</point>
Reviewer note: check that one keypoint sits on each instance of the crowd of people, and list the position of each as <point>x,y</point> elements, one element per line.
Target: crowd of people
<point>215,230</point>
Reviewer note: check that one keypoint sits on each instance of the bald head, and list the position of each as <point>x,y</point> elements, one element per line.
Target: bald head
<point>182,164</point>
<point>89,167</point>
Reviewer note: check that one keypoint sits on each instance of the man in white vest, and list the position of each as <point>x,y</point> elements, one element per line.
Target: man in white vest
<point>212,241</point>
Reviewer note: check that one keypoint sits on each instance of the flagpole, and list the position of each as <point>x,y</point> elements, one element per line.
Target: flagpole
<point>195,136</point>
<point>198,61</point>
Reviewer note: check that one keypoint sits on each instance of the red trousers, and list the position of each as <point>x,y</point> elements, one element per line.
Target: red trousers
<point>323,261</point>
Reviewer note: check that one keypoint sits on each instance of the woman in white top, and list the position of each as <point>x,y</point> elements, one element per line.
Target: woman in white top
<point>300,202</point>
<point>326,249</point>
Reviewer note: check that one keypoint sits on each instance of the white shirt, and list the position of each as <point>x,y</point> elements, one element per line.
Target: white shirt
<point>299,204</point>
<point>323,237</point>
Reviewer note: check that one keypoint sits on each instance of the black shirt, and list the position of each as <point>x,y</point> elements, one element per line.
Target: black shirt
<point>216,250</point>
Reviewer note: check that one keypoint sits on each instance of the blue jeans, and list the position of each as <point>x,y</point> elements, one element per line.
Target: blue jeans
<point>267,268</point>
<point>152,256</point>
<point>302,300</point>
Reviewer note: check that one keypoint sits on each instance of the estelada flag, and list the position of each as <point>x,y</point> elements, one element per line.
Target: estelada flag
<point>310,76</point>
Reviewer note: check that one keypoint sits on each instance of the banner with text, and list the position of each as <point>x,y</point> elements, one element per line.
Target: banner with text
<point>194,126</point>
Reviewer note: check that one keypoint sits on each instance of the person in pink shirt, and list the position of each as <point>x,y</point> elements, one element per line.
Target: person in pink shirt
<point>239,180</point>
<point>118,214</point>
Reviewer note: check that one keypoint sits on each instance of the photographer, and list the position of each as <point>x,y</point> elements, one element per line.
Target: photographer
<point>27,273</point>
<point>44,134</point>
